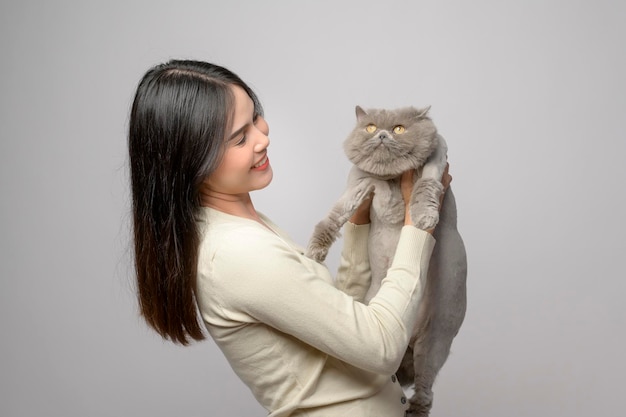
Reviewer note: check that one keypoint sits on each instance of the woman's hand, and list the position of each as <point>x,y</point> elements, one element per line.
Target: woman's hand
<point>406,187</point>
<point>362,213</point>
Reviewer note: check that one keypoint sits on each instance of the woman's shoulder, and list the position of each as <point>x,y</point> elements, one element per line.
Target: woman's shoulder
<point>222,227</point>
<point>234,236</point>
<point>239,256</point>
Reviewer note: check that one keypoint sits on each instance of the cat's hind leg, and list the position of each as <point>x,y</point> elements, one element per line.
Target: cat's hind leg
<point>444,304</point>
<point>429,354</point>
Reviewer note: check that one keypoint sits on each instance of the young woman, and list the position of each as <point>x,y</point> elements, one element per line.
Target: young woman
<point>304,343</point>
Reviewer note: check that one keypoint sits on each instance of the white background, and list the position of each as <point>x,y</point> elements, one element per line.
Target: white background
<point>530,95</point>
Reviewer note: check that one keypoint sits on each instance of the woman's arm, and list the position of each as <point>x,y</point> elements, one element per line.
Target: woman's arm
<point>354,275</point>
<point>263,280</point>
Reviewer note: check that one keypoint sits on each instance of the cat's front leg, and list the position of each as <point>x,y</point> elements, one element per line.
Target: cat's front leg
<point>425,203</point>
<point>327,230</point>
<point>427,190</point>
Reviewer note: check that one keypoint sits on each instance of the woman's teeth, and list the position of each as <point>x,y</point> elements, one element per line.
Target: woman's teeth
<point>261,162</point>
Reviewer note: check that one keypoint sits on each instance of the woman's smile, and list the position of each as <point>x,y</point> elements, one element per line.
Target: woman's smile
<point>262,164</point>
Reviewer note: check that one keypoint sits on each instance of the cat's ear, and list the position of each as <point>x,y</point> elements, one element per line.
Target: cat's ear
<point>360,113</point>
<point>423,112</point>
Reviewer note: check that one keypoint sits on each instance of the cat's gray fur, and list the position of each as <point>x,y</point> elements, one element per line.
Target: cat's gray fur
<point>379,159</point>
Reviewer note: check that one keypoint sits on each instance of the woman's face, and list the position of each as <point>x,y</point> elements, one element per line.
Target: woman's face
<point>245,166</point>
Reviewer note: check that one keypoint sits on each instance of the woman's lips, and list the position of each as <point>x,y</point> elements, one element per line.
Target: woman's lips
<point>262,164</point>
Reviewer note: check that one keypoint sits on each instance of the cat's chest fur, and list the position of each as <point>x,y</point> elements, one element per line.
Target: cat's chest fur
<point>387,205</point>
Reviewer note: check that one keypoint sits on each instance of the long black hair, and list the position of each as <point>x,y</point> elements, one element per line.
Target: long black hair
<point>179,120</point>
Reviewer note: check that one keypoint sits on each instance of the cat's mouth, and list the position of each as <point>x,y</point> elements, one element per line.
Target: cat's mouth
<point>380,143</point>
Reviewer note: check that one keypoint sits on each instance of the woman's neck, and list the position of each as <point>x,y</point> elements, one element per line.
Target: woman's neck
<point>237,205</point>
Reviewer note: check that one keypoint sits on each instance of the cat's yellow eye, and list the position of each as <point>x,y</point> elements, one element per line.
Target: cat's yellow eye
<point>370,128</point>
<point>399,129</point>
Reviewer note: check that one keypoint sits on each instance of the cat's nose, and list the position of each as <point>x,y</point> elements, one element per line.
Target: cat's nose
<point>383,136</point>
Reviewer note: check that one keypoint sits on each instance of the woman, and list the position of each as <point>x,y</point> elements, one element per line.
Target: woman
<point>302,342</point>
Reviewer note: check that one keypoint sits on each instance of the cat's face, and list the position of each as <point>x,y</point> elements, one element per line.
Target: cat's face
<point>386,143</point>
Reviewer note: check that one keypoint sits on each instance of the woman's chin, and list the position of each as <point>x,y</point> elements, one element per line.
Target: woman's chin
<point>267,179</point>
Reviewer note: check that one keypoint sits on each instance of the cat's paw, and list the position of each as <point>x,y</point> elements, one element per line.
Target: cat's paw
<point>316,252</point>
<point>425,218</point>
<point>326,232</point>
<point>420,404</point>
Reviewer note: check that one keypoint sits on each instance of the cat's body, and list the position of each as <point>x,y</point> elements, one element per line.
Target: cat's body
<point>384,144</point>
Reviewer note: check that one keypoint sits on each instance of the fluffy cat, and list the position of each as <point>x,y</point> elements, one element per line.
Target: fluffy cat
<point>384,144</point>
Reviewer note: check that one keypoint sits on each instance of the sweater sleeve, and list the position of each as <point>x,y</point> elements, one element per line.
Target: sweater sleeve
<point>354,275</point>
<point>262,281</point>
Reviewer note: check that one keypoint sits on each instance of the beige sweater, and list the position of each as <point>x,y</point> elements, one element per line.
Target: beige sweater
<point>300,340</point>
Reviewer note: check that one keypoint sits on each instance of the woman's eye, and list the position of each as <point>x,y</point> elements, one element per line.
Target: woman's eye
<point>399,129</point>
<point>242,140</point>
<point>370,128</point>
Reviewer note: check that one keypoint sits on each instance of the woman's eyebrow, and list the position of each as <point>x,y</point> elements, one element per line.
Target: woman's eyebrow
<point>239,131</point>
<point>244,127</point>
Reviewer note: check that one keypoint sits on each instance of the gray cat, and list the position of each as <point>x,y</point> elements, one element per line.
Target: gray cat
<point>383,145</point>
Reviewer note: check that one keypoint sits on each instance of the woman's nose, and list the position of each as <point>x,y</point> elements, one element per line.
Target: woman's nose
<point>263,141</point>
